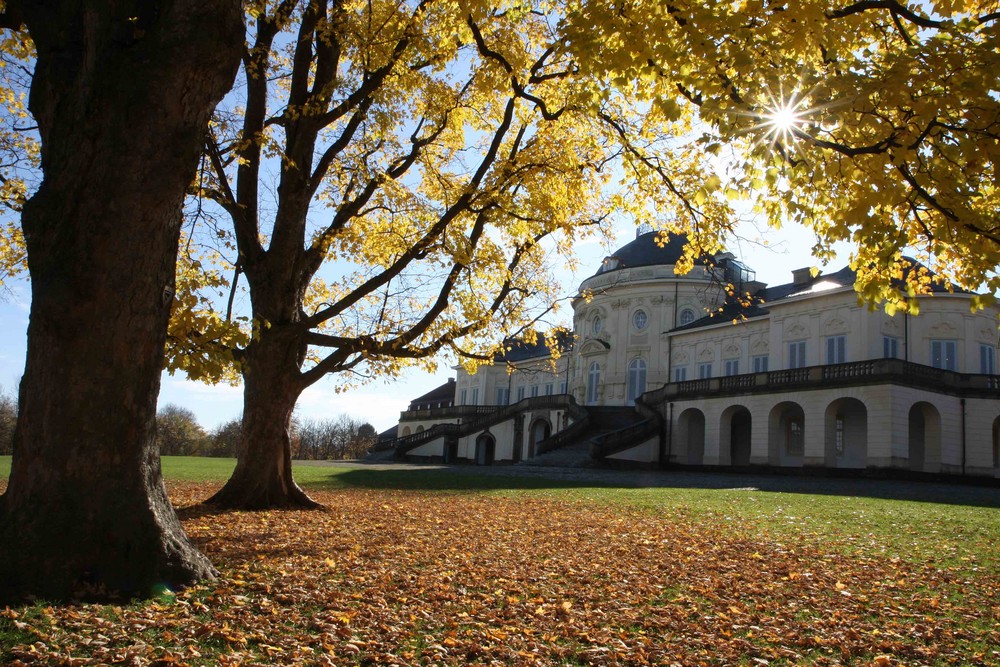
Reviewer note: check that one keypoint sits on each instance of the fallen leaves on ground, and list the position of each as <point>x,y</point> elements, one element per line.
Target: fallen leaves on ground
<point>405,578</point>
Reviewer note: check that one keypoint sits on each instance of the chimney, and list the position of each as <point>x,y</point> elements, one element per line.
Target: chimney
<point>802,276</point>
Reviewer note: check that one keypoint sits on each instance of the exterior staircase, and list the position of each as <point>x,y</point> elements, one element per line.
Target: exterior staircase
<point>576,451</point>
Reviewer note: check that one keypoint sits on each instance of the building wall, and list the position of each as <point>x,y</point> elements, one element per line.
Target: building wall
<point>615,299</point>
<point>868,425</point>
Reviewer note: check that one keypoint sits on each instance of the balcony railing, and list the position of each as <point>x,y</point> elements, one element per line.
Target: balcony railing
<point>871,371</point>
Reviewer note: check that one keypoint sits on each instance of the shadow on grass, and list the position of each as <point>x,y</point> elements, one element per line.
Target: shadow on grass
<point>453,479</point>
<point>475,479</point>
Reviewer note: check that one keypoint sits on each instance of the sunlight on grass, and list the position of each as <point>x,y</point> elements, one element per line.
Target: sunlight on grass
<point>952,535</point>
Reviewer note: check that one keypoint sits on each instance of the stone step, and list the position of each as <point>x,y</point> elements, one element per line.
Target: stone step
<point>574,455</point>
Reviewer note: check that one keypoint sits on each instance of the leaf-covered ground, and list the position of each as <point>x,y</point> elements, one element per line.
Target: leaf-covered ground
<point>413,577</point>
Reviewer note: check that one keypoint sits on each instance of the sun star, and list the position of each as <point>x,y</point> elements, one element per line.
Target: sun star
<point>783,119</point>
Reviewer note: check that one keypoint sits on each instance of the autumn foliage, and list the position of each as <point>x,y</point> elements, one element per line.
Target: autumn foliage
<point>408,577</point>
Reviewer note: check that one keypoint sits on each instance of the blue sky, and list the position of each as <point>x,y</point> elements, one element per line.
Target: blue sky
<point>380,401</point>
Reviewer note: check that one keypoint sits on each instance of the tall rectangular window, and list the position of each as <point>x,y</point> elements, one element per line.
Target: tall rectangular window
<point>548,389</point>
<point>732,367</point>
<point>987,356</point>
<point>462,396</point>
<point>760,363</point>
<point>593,382</point>
<point>704,371</point>
<point>680,374</point>
<point>503,395</point>
<point>890,347</point>
<point>534,390</point>
<point>475,395</point>
<point>562,387</point>
<point>836,349</point>
<point>944,354</point>
<point>520,393</point>
<point>797,354</point>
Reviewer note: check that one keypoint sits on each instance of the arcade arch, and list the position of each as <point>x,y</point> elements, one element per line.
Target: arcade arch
<point>786,432</point>
<point>690,440</point>
<point>735,436</point>
<point>924,443</point>
<point>485,449</point>
<point>540,430</point>
<point>846,434</point>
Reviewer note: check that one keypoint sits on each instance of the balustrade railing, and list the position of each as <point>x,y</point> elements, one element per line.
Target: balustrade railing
<point>871,370</point>
<point>624,438</point>
<point>487,416</point>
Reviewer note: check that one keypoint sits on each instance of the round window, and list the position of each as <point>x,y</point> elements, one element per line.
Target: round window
<point>597,325</point>
<point>639,319</point>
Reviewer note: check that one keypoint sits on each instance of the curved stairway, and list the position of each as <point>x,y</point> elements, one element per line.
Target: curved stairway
<point>577,451</point>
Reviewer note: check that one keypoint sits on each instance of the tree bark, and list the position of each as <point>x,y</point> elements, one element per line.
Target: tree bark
<point>272,385</point>
<point>122,92</point>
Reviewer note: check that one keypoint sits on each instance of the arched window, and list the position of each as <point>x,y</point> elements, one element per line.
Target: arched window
<point>687,316</point>
<point>636,380</point>
<point>593,382</point>
<point>597,325</point>
<point>639,320</point>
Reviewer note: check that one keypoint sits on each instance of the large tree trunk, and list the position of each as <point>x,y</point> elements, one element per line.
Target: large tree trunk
<point>263,475</point>
<point>122,93</point>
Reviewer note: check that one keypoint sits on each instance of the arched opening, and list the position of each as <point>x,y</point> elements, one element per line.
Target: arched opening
<point>593,383</point>
<point>451,450</point>
<point>846,434</point>
<point>420,429</point>
<point>924,443</point>
<point>786,435</point>
<point>636,380</point>
<point>406,431</point>
<point>540,430</point>
<point>485,448</point>
<point>735,435</point>
<point>690,438</point>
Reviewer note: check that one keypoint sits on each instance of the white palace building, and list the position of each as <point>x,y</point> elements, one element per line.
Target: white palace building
<point>806,378</point>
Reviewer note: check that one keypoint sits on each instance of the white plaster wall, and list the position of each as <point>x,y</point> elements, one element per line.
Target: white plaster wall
<point>645,452</point>
<point>433,448</point>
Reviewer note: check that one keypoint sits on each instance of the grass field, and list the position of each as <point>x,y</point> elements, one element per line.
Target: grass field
<point>431,566</point>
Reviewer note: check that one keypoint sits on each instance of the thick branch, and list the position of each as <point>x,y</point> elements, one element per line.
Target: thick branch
<point>892,6</point>
<point>420,247</point>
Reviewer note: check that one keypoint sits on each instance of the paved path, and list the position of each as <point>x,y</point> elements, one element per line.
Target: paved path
<point>919,491</point>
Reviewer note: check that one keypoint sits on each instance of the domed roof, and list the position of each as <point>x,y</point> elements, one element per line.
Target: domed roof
<point>645,251</point>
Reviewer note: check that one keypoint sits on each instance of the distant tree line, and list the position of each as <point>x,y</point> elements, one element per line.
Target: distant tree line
<point>8,417</point>
<point>180,434</point>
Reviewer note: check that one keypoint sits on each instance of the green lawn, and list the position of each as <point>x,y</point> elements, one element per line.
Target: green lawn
<point>453,566</point>
<point>950,526</point>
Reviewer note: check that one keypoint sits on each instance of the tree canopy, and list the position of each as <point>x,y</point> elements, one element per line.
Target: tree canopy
<point>410,169</point>
<point>398,179</point>
<point>870,122</point>
<point>875,122</point>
